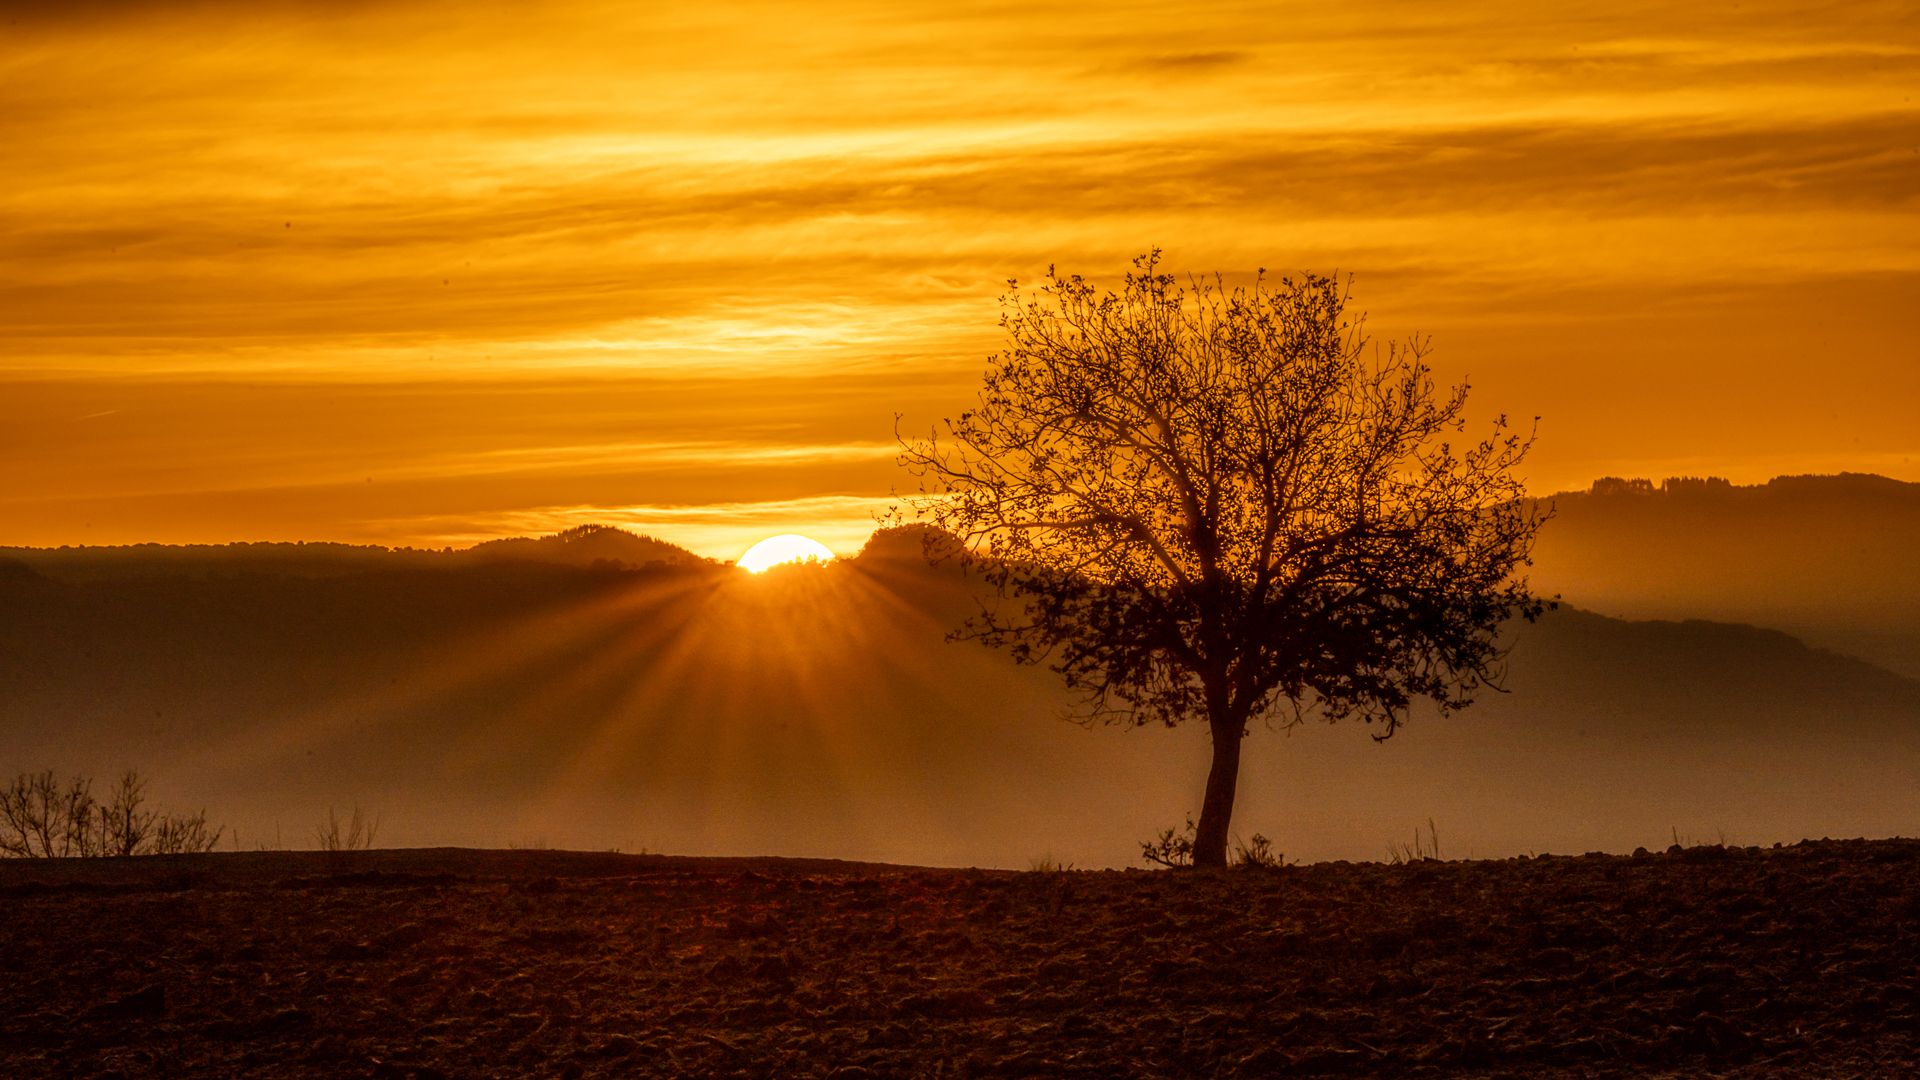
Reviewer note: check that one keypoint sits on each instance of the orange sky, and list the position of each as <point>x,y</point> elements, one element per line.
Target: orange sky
<point>432,272</point>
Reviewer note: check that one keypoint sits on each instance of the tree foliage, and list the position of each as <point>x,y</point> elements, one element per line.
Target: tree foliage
<point>1225,504</point>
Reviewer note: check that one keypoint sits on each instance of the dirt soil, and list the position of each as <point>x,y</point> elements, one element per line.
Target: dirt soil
<point>1708,960</point>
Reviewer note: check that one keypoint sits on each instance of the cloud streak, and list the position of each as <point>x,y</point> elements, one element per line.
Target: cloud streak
<point>795,224</point>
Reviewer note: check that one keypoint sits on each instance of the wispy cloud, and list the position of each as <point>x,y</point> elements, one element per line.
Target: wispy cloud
<point>717,530</point>
<point>794,223</point>
<point>1189,61</point>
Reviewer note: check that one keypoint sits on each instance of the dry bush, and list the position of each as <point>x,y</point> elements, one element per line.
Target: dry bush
<point>1686,842</point>
<point>176,835</point>
<point>354,834</point>
<point>1171,849</point>
<point>1257,854</point>
<point>40,818</point>
<point>1421,849</point>
<point>1174,848</point>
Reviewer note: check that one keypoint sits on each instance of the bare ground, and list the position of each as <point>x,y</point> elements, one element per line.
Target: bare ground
<point>1726,961</point>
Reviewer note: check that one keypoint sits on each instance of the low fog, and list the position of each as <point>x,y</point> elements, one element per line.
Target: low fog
<point>587,694</point>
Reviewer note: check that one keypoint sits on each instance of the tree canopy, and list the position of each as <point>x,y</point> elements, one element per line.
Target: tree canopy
<point>1227,504</point>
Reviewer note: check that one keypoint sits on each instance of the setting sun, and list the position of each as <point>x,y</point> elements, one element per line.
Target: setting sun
<point>785,548</point>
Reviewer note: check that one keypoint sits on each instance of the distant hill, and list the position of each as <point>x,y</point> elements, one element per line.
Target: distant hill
<point>126,561</point>
<point>1830,559</point>
<point>583,546</point>
<point>686,707</point>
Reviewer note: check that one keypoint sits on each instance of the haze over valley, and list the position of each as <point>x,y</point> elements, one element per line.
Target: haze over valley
<point>601,690</point>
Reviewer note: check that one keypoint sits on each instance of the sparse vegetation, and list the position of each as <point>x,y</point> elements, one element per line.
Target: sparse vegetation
<point>1686,842</point>
<point>1420,849</point>
<point>1047,864</point>
<point>40,818</point>
<point>354,834</point>
<point>1257,854</point>
<point>1171,849</point>
<point>1174,848</point>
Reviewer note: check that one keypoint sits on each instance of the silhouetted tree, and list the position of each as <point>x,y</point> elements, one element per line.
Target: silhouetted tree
<point>1221,504</point>
<point>42,818</point>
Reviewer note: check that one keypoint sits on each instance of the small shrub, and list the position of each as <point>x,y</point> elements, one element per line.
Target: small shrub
<point>1420,850</point>
<point>1047,864</point>
<point>1257,854</point>
<point>1174,849</point>
<point>41,818</point>
<point>178,835</point>
<point>1170,849</point>
<point>1688,843</point>
<point>354,834</point>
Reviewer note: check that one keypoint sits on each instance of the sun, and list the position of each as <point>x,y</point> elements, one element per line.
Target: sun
<point>785,548</point>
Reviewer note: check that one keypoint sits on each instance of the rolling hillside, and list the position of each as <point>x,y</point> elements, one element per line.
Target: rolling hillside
<point>685,707</point>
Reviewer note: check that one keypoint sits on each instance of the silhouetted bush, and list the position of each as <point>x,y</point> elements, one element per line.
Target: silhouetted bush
<point>40,818</point>
<point>1257,854</point>
<point>1421,849</point>
<point>354,834</point>
<point>1174,848</point>
<point>1170,849</point>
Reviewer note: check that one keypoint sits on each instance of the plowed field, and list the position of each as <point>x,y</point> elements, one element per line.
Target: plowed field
<point>1709,960</point>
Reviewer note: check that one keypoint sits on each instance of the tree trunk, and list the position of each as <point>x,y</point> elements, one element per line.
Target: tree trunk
<point>1210,838</point>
